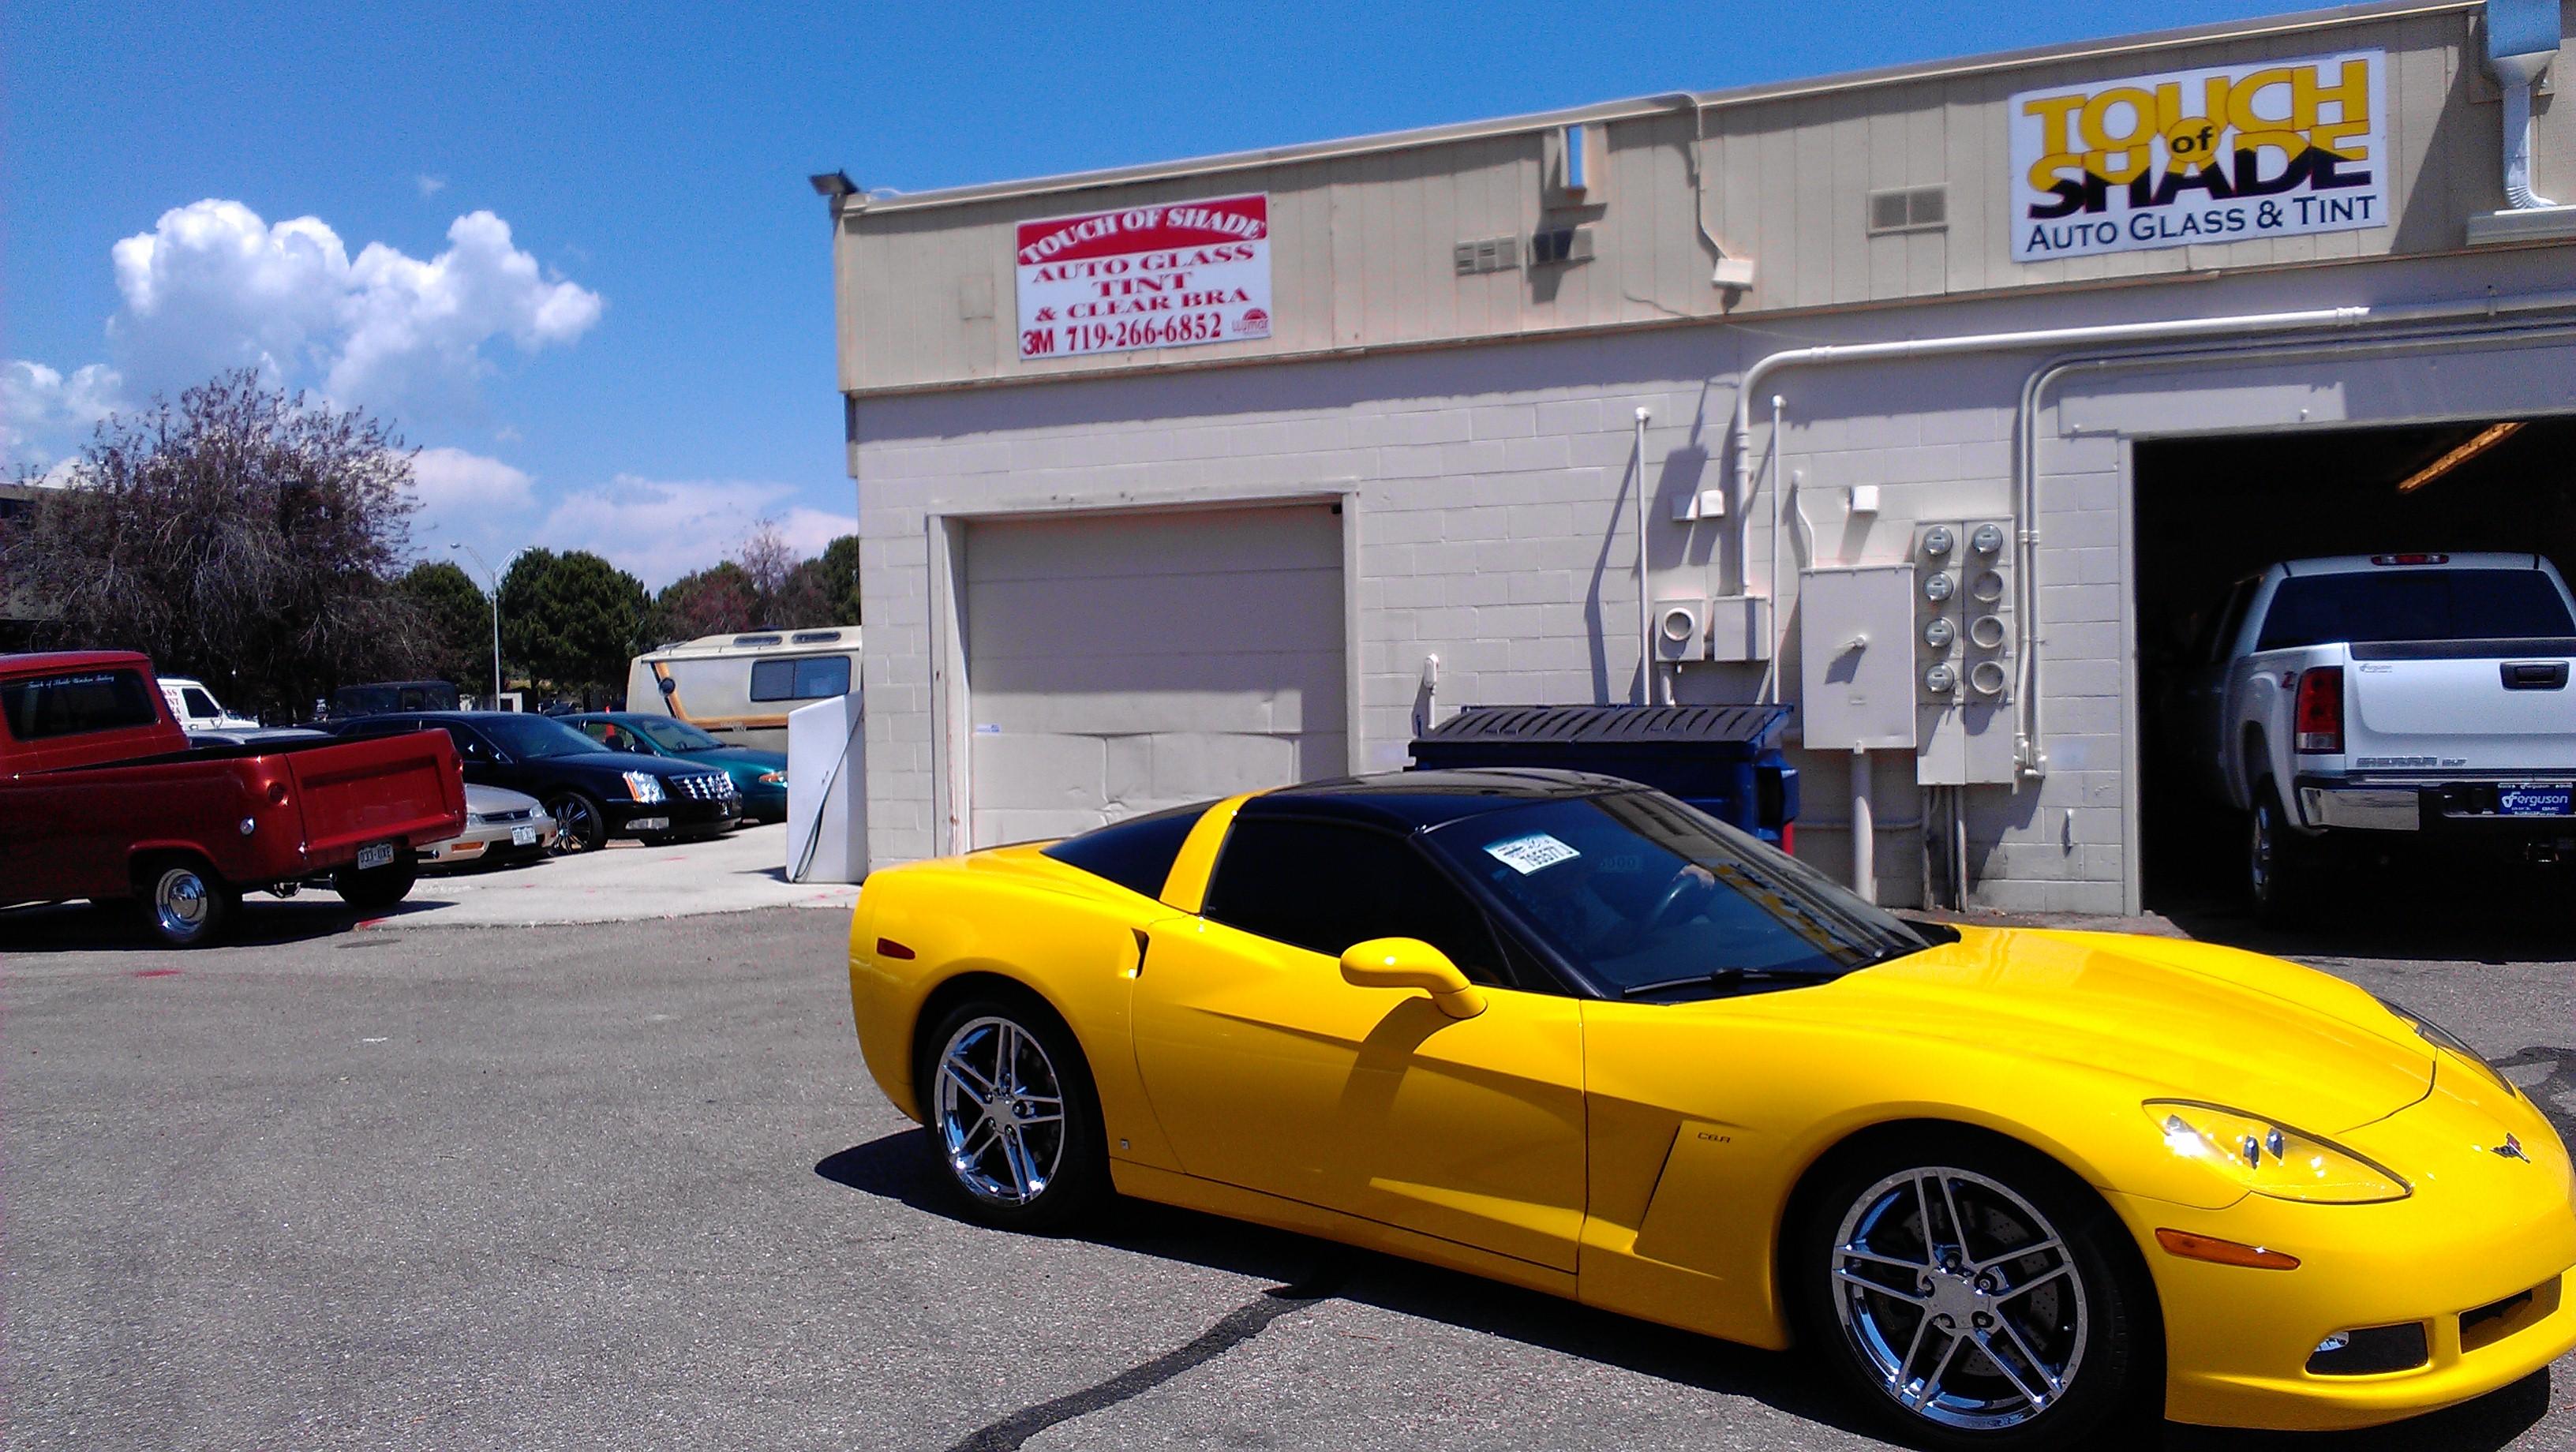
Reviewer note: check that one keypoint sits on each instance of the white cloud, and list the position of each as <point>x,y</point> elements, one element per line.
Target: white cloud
<point>663,529</point>
<point>213,286</point>
<point>430,186</point>
<point>452,480</point>
<point>44,414</point>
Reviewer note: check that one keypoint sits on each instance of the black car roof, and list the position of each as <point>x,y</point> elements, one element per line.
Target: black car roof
<point>1414,800</point>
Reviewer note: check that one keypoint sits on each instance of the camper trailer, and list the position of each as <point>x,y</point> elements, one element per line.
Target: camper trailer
<point>741,687</point>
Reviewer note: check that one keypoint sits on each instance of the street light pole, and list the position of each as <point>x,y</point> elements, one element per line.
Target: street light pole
<point>495,596</point>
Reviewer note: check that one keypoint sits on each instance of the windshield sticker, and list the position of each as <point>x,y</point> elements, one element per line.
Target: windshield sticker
<point>1526,855</point>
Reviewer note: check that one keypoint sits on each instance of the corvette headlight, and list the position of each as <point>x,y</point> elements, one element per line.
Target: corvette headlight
<point>644,786</point>
<point>2271,1159</point>
<point>2442,1038</point>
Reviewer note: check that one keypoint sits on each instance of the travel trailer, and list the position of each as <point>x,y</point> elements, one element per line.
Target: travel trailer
<point>741,687</point>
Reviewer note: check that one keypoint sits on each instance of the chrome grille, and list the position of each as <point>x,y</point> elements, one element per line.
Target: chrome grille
<point>710,787</point>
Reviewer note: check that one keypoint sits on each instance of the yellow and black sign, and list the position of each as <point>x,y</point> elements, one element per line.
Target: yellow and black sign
<point>2227,154</point>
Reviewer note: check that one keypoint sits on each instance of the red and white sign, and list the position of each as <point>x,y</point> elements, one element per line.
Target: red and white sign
<point>1145,277</point>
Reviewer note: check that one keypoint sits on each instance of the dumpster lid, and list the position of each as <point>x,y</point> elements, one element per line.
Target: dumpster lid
<point>1750,725</point>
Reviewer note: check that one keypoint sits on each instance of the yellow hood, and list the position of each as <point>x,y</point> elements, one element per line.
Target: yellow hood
<point>2187,1020</point>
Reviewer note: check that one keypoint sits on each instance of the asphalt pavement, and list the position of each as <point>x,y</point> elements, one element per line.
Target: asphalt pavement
<point>628,1185</point>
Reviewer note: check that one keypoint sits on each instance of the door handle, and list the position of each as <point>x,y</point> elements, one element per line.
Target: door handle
<point>2534,675</point>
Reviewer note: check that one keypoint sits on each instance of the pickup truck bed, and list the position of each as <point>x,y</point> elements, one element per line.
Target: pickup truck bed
<point>126,809</point>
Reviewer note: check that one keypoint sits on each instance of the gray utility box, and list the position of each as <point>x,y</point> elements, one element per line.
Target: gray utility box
<point>1856,658</point>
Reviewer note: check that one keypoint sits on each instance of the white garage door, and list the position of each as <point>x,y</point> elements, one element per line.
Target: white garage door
<point>1117,664</point>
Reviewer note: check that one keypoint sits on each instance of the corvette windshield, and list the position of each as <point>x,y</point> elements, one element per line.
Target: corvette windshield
<point>1651,899</point>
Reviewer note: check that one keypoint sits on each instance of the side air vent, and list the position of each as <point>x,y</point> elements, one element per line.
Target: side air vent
<point>1915,209</point>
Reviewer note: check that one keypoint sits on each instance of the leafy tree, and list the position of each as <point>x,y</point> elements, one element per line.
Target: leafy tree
<point>825,589</point>
<point>713,601</point>
<point>457,620</point>
<point>573,620</point>
<point>246,535</point>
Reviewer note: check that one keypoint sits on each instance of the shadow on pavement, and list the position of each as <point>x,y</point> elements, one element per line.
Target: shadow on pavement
<point>262,922</point>
<point>899,1167</point>
<point>2414,907</point>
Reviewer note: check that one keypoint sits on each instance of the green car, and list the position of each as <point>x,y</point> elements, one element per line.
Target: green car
<point>762,775</point>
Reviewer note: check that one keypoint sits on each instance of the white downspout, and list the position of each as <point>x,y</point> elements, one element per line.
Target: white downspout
<point>2522,39</point>
<point>1645,608</point>
<point>1864,829</point>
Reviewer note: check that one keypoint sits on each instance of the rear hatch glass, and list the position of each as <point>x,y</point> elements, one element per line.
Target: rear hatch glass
<point>2415,605</point>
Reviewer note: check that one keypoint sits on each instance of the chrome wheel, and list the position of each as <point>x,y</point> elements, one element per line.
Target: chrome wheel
<point>1000,1109</point>
<point>183,903</point>
<point>577,825</point>
<point>1961,1297</point>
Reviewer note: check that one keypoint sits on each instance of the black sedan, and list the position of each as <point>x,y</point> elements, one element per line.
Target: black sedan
<point>591,793</point>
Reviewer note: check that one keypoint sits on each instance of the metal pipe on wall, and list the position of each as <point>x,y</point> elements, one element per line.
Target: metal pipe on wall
<point>1645,609</point>
<point>1864,829</point>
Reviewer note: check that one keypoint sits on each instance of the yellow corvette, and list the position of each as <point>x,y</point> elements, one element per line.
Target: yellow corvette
<point>1568,1033</point>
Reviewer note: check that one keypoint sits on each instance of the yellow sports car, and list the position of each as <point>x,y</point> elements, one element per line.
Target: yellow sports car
<point>1569,1033</point>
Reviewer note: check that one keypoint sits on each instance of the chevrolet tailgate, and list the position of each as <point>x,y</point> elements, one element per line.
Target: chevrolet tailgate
<point>408,789</point>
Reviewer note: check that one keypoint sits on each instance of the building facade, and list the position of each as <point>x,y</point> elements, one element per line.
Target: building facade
<point>1944,403</point>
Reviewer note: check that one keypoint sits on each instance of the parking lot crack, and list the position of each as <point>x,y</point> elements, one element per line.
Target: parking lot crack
<point>1237,1327</point>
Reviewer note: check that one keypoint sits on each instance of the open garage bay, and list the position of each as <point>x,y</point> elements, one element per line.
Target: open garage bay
<point>628,1185</point>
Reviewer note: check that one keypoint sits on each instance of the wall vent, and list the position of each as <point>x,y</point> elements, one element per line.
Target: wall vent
<point>1560,245</point>
<point>1488,254</point>
<point>1914,209</point>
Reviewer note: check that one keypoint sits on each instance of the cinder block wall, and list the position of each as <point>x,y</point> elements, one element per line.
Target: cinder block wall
<point>1495,531</point>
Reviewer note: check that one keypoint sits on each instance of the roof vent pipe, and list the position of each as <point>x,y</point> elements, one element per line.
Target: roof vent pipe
<point>2522,39</point>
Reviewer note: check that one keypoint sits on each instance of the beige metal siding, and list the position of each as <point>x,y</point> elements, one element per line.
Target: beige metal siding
<point>1362,243</point>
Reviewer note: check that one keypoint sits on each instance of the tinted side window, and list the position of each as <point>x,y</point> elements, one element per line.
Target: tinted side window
<point>71,705</point>
<point>1137,854</point>
<point>1323,886</point>
<point>469,745</point>
<point>806,678</point>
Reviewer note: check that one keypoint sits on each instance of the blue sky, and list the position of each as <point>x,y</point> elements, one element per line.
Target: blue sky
<point>574,255</point>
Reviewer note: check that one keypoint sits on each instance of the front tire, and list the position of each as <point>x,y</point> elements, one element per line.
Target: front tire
<point>1973,1294</point>
<point>581,824</point>
<point>1013,1117</point>
<point>185,905</point>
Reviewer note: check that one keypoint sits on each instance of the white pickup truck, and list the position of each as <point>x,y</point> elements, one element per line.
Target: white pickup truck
<point>2346,699</point>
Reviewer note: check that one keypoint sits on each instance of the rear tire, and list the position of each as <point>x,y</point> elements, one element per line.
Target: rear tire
<point>1903,1319</point>
<point>2282,866</point>
<point>377,888</point>
<point>1014,1120</point>
<point>184,903</point>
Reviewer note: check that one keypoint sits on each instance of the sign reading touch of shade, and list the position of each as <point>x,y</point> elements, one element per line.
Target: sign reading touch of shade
<point>2226,154</point>
<point>1145,277</point>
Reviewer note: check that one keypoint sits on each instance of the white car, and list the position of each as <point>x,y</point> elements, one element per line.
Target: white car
<point>197,708</point>
<point>500,826</point>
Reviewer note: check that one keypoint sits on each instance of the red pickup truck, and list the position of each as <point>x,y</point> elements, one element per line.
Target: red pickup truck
<point>102,797</point>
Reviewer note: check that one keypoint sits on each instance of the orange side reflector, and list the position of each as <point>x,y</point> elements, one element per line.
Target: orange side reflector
<point>2224,1252</point>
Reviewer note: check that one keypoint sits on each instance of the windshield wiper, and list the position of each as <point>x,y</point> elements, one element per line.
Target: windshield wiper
<point>1721,978</point>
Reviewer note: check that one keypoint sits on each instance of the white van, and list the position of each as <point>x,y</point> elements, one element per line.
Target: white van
<point>197,708</point>
<point>740,688</point>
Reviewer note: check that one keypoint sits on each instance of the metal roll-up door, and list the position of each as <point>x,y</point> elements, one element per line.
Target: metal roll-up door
<point>1118,664</point>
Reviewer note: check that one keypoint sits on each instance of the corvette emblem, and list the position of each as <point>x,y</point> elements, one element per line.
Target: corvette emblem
<point>2512,1149</point>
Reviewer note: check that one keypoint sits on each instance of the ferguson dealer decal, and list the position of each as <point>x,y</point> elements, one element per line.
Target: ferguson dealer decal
<point>2218,155</point>
<point>1145,277</point>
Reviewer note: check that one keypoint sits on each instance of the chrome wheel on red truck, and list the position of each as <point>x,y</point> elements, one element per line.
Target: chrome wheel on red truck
<point>186,906</point>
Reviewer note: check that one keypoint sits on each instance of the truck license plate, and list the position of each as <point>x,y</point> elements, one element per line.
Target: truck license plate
<point>523,836</point>
<point>374,855</point>
<point>2536,801</point>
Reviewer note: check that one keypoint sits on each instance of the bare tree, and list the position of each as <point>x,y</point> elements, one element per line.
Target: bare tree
<point>246,534</point>
<point>768,559</point>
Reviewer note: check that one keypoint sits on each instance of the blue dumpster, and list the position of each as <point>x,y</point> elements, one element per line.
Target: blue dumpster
<point>1724,760</point>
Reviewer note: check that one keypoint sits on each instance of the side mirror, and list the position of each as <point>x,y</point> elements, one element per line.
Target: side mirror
<point>1412,963</point>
